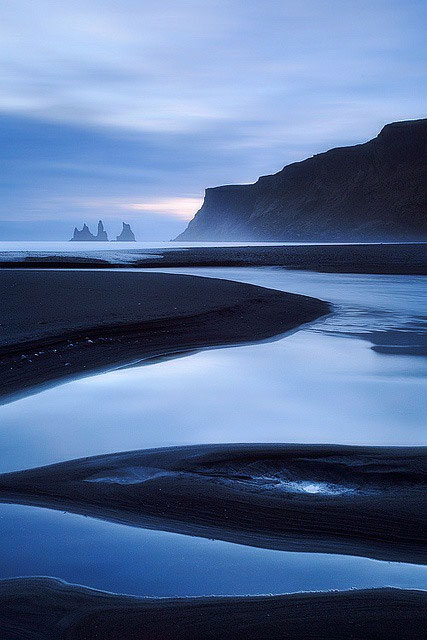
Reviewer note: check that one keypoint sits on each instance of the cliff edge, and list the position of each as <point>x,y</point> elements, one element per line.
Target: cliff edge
<point>370,192</point>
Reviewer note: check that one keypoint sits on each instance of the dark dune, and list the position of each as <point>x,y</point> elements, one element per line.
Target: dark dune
<point>396,259</point>
<point>48,609</point>
<point>56,325</point>
<point>366,501</point>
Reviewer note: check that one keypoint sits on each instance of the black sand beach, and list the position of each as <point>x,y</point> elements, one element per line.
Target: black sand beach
<point>58,325</point>
<point>213,398</point>
<point>365,501</point>
<point>48,609</point>
<point>397,259</point>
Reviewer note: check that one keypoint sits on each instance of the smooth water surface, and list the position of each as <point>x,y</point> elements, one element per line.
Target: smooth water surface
<point>321,384</point>
<point>124,559</point>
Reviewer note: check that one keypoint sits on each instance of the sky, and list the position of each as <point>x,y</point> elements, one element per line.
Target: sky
<point>126,110</point>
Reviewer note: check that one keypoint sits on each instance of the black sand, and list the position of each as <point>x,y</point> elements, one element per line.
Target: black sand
<point>404,259</point>
<point>55,325</point>
<point>47,609</point>
<point>366,501</point>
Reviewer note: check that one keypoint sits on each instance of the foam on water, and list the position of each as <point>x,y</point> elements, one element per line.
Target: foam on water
<point>322,488</point>
<point>128,475</point>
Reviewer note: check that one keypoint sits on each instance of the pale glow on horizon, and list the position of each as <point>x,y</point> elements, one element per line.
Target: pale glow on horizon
<point>181,207</point>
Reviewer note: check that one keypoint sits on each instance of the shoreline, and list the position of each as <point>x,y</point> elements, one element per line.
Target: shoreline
<point>352,500</point>
<point>61,325</point>
<point>387,259</point>
<point>56,610</point>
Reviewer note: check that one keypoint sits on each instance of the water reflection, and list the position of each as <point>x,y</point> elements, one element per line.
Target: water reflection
<point>142,562</point>
<point>386,310</point>
<point>310,386</point>
<point>305,388</point>
<point>315,385</point>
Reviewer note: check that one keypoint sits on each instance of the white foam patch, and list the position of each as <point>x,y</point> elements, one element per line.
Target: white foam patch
<point>321,488</point>
<point>120,256</point>
<point>311,487</point>
<point>137,475</point>
<point>128,475</point>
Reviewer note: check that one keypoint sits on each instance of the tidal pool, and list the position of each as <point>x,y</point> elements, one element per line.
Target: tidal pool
<point>123,559</point>
<point>325,383</point>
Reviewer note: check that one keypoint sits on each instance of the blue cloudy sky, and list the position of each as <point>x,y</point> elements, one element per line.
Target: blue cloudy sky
<point>129,109</point>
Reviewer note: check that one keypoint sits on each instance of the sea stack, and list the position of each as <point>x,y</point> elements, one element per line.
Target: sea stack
<point>101,236</point>
<point>85,235</point>
<point>126,235</point>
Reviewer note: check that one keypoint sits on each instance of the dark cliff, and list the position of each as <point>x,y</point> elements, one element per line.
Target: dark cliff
<point>374,191</point>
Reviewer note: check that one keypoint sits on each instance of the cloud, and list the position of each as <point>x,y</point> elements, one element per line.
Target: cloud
<point>149,103</point>
<point>179,67</point>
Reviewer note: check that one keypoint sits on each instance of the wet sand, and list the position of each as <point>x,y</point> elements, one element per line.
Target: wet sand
<point>366,501</point>
<point>56,325</point>
<point>404,259</point>
<point>48,609</point>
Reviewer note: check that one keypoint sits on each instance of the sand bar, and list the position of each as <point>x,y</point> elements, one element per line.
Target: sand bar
<point>48,609</point>
<point>60,324</point>
<point>396,259</point>
<point>365,501</point>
